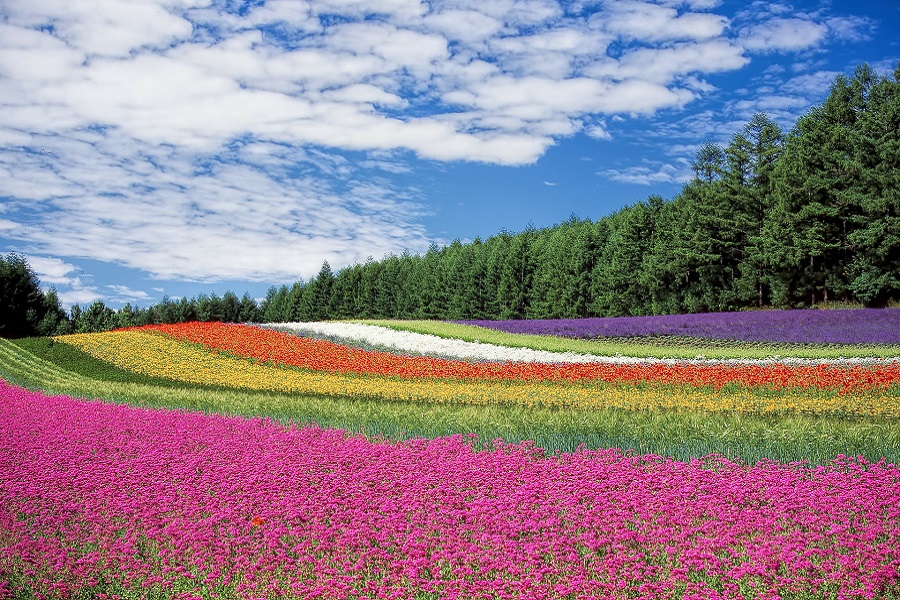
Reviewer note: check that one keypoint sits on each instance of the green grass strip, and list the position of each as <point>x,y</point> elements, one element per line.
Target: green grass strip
<point>691,349</point>
<point>680,434</point>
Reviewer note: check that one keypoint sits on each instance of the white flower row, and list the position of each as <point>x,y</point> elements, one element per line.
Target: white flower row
<point>421,343</point>
<point>432,345</point>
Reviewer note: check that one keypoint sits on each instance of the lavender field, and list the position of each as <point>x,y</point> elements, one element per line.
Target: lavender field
<point>844,326</point>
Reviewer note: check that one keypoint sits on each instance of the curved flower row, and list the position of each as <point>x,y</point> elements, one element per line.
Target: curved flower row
<point>319,355</point>
<point>423,343</point>
<point>150,353</point>
<point>842,326</point>
<point>398,341</point>
<point>185,505</point>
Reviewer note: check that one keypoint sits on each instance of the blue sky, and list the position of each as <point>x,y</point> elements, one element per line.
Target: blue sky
<point>179,147</point>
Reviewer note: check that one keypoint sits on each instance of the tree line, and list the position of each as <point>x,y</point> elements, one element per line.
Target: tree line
<point>773,219</point>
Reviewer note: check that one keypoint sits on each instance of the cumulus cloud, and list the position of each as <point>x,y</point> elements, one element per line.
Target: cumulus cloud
<point>72,284</point>
<point>203,140</point>
<point>650,21</point>
<point>783,34</point>
<point>52,271</point>
<point>194,74</point>
<point>249,213</point>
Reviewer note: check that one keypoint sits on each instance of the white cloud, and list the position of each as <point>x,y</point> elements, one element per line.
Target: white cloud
<point>771,103</point>
<point>67,279</point>
<point>176,214</point>
<point>651,173</point>
<point>52,271</point>
<point>466,26</point>
<point>599,131</point>
<point>81,295</point>
<point>105,27</point>
<point>783,34</point>
<point>647,21</point>
<point>663,65</point>
<point>704,4</point>
<point>122,293</point>
<point>362,84</point>
<point>188,139</point>
<point>850,29</point>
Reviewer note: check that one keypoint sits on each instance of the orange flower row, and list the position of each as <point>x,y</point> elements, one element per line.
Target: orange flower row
<point>268,346</point>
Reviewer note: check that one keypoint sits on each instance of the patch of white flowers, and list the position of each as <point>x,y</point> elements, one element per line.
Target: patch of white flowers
<point>431,345</point>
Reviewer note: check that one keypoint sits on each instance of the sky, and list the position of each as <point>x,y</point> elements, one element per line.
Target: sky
<point>171,148</point>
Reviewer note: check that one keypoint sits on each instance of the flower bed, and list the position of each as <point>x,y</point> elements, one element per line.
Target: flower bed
<point>115,500</point>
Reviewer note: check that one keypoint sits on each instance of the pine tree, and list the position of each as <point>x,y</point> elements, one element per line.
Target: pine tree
<point>765,143</point>
<point>516,276</point>
<point>23,306</point>
<point>875,268</point>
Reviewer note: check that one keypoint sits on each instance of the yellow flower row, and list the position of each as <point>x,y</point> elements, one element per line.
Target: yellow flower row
<point>160,356</point>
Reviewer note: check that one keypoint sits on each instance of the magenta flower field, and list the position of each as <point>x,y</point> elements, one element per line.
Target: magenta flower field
<point>133,502</point>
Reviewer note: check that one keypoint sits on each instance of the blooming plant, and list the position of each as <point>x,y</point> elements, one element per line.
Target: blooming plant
<point>840,391</point>
<point>142,503</point>
<point>106,500</point>
<point>844,326</point>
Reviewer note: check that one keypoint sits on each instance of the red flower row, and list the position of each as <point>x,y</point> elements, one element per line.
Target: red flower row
<point>280,348</point>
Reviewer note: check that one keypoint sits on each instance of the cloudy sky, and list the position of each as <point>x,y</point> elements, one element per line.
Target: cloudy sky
<point>179,147</point>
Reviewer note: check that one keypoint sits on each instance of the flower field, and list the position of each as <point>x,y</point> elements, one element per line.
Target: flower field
<point>167,503</point>
<point>247,357</point>
<point>438,460</point>
<point>848,326</point>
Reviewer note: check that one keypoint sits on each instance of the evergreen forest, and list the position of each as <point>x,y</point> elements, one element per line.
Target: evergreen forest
<point>774,219</point>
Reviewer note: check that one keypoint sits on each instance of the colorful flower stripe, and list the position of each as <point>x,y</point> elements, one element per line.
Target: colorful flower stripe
<point>397,341</point>
<point>187,505</point>
<point>845,326</point>
<point>281,348</point>
<point>158,355</point>
<point>394,339</point>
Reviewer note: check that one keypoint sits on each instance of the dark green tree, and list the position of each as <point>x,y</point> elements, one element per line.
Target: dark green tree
<point>389,288</point>
<point>23,306</point>
<point>274,305</point>
<point>709,163</point>
<point>616,286</point>
<point>432,295</point>
<point>821,198</point>
<point>666,267</point>
<point>95,318</point>
<point>407,297</point>
<point>516,276</point>
<point>167,310</point>
<point>129,316</point>
<point>875,268</point>
<point>55,321</point>
<point>765,141</point>
<point>369,290</point>
<point>249,311</point>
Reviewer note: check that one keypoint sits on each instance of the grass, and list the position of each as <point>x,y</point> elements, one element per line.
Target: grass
<point>679,434</point>
<point>687,348</point>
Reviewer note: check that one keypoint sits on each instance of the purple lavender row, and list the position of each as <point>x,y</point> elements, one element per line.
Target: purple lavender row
<point>844,326</point>
<point>196,505</point>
